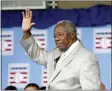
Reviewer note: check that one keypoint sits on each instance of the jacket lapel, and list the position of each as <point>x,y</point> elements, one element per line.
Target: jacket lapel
<point>64,62</point>
<point>56,53</point>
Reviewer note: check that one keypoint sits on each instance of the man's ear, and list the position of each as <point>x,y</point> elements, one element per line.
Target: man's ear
<point>73,35</point>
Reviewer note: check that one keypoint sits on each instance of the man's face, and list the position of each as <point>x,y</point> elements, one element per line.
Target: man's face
<point>61,37</point>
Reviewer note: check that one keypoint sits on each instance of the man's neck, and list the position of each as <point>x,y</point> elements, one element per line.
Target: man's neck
<point>64,50</point>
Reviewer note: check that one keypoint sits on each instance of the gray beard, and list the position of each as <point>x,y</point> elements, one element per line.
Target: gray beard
<point>64,50</point>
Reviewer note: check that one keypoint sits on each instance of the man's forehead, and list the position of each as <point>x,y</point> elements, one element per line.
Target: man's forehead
<point>59,30</point>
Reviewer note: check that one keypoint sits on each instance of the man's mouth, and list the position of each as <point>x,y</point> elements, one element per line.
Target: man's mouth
<point>59,44</point>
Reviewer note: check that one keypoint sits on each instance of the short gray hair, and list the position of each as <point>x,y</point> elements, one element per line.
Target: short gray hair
<point>70,27</point>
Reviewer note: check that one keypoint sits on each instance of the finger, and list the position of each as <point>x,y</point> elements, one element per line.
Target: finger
<point>23,14</point>
<point>30,15</point>
<point>26,13</point>
<point>32,24</point>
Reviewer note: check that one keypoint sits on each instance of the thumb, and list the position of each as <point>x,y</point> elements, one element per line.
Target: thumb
<point>32,24</point>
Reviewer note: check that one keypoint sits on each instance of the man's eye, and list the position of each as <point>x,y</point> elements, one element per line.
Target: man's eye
<point>60,34</point>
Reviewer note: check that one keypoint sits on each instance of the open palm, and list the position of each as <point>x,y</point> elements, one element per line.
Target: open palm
<point>27,20</point>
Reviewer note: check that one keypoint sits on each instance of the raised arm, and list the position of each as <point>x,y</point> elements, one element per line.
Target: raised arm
<point>27,23</point>
<point>28,42</point>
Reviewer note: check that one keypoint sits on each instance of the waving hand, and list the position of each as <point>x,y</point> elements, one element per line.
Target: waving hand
<point>27,20</point>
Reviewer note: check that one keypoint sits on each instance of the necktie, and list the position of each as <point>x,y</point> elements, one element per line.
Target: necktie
<point>56,60</point>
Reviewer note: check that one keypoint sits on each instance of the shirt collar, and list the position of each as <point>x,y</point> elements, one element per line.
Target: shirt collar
<point>71,47</point>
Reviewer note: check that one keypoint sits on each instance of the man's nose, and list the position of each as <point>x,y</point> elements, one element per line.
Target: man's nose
<point>57,38</point>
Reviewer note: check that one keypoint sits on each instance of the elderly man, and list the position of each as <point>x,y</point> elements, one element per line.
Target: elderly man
<point>69,65</point>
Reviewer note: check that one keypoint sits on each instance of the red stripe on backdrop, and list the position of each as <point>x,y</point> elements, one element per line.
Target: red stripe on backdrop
<point>23,72</point>
<point>42,44</point>
<point>25,77</point>
<point>45,76</point>
<point>7,49</point>
<point>9,45</point>
<point>97,42</point>
<point>8,40</point>
<point>98,38</point>
<point>42,39</point>
<point>11,77</point>
<point>45,81</point>
<point>99,47</point>
<point>12,73</point>
<point>23,82</point>
<point>45,72</point>
<point>110,47</point>
<point>12,82</point>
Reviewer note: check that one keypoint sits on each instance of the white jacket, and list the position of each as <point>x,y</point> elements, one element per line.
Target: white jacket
<point>78,70</point>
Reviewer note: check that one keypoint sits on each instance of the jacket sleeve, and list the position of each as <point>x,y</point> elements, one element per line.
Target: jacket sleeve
<point>36,53</point>
<point>90,73</point>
